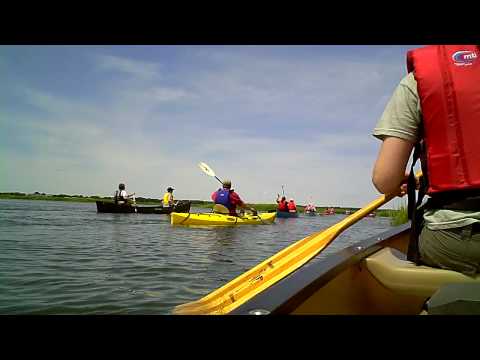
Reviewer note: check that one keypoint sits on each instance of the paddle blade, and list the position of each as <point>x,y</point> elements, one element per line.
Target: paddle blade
<point>273,269</point>
<point>206,169</point>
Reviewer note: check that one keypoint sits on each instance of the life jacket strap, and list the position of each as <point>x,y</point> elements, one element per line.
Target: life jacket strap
<point>415,208</point>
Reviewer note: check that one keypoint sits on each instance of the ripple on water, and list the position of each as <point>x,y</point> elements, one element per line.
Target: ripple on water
<point>65,258</point>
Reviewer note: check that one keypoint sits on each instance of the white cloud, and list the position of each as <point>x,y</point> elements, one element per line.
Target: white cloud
<point>149,97</point>
<point>168,94</point>
<point>60,106</point>
<point>136,68</point>
<point>303,90</point>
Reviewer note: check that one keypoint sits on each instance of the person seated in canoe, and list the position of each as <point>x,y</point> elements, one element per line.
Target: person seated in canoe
<point>282,203</point>
<point>168,200</point>
<point>121,197</point>
<point>291,206</point>
<point>310,208</point>
<point>226,200</point>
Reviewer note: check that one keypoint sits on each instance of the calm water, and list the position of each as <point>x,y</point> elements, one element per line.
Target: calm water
<point>65,258</point>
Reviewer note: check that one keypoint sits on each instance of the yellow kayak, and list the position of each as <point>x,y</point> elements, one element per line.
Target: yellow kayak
<point>220,219</point>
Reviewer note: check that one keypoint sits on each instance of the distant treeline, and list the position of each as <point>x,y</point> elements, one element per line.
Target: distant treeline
<point>48,197</point>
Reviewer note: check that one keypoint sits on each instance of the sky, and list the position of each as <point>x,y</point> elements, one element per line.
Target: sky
<point>82,119</point>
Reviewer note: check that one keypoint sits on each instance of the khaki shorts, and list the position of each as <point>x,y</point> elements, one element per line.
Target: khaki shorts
<point>455,249</point>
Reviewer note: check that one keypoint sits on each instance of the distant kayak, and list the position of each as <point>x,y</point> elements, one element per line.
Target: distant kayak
<point>310,213</point>
<point>110,207</point>
<point>285,214</point>
<point>220,219</point>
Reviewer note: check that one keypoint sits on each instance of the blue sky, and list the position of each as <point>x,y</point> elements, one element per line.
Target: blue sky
<point>80,119</point>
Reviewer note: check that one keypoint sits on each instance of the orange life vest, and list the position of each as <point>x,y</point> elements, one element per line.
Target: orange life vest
<point>291,206</point>
<point>448,82</point>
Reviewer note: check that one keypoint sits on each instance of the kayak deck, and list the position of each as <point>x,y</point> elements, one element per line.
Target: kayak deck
<point>220,219</point>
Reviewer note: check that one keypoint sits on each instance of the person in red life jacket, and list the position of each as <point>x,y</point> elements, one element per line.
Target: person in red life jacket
<point>291,206</point>
<point>435,111</point>
<point>282,203</point>
<point>229,198</point>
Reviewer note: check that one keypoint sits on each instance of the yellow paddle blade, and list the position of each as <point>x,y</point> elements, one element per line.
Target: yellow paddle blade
<point>267,273</point>
<point>206,169</point>
<point>275,268</point>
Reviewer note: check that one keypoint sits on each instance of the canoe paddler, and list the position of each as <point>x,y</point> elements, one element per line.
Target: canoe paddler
<point>121,197</point>
<point>168,198</point>
<point>227,197</point>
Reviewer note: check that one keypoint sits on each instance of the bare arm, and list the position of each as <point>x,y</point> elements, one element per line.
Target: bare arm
<point>389,169</point>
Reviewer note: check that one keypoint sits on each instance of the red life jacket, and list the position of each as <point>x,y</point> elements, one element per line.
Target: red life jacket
<point>448,82</point>
<point>291,206</point>
<point>282,206</point>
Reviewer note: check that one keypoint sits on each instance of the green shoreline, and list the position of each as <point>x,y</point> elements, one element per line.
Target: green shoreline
<point>398,215</point>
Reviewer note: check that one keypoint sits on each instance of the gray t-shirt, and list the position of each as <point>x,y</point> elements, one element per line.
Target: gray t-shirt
<point>402,118</point>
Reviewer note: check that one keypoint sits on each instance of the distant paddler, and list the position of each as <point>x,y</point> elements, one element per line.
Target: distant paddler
<point>282,203</point>
<point>292,207</point>
<point>168,200</point>
<point>226,200</point>
<point>121,197</point>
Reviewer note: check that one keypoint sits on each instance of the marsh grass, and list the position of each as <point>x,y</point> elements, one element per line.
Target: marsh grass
<point>400,215</point>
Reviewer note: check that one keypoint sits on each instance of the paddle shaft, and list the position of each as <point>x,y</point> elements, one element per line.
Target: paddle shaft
<point>277,266</point>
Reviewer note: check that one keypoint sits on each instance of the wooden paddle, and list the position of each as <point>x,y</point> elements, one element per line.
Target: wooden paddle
<point>275,268</point>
